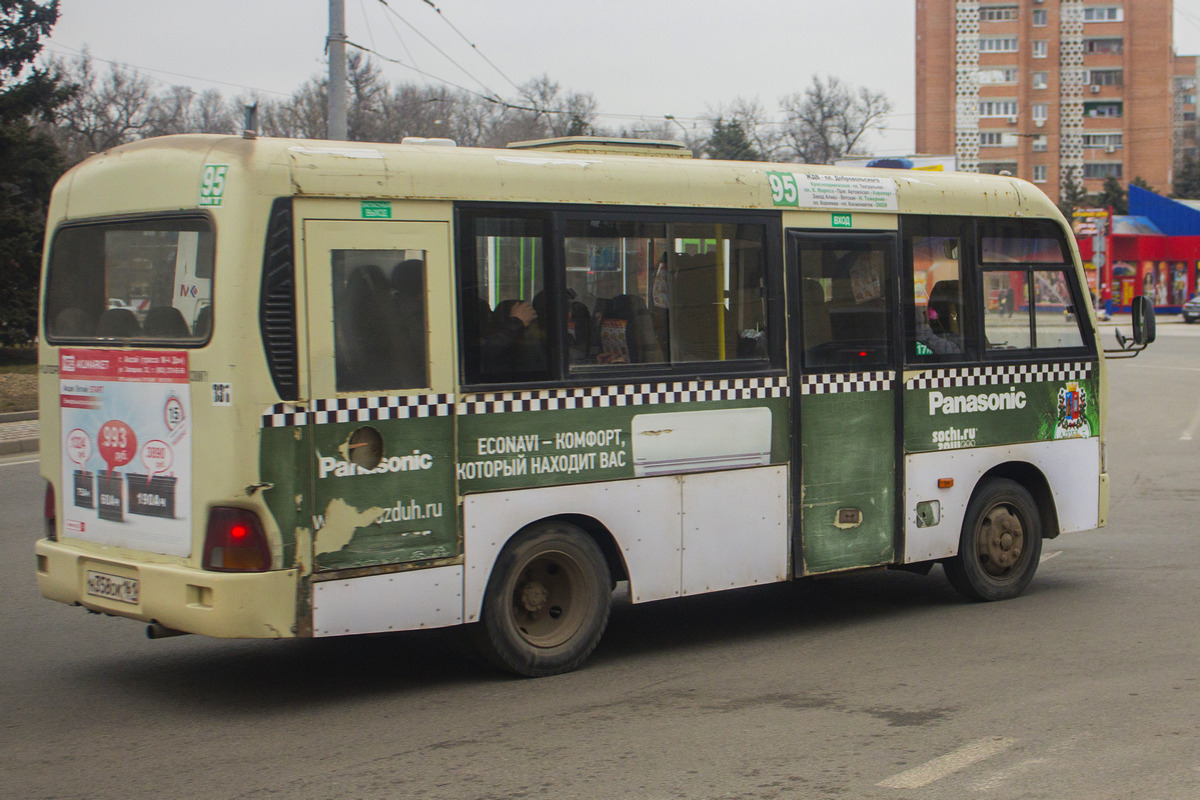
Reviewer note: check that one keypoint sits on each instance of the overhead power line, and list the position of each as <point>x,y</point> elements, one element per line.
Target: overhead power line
<point>430,42</point>
<point>65,50</point>
<point>462,36</point>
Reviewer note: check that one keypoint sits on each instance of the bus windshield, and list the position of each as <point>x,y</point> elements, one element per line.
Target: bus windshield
<point>141,281</point>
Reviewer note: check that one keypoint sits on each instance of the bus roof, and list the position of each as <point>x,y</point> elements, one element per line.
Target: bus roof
<point>167,171</point>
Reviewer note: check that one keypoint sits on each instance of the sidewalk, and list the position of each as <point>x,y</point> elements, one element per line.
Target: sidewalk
<point>18,433</point>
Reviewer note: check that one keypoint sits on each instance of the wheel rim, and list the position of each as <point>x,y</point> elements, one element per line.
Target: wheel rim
<point>1001,540</point>
<point>548,599</point>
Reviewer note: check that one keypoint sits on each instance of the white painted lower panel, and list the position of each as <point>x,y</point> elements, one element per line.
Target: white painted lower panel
<point>734,529</point>
<point>735,534</point>
<point>1071,467</point>
<point>644,515</point>
<point>396,601</point>
<point>694,441</point>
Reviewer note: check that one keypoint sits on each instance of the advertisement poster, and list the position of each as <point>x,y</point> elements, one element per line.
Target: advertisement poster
<point>126,449</point>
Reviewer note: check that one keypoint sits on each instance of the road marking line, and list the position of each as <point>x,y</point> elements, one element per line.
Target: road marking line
<point>16,463</point>
<point>1047,556</point>
<point>1191,429</point>
<point>947,765</point>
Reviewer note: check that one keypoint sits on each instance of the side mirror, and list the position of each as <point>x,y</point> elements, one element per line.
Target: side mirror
<point>1143,320</point>
<point>1143,330</point>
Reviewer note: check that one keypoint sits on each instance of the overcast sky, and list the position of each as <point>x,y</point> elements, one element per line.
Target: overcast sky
<point>637,57</point>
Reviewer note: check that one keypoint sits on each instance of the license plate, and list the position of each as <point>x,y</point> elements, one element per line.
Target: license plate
<point>112,587</point>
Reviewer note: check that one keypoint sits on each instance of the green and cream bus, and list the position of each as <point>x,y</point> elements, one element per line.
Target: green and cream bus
<point>303,388</point>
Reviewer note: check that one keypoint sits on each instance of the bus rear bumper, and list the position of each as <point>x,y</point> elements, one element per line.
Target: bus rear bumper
<point>231,605</point>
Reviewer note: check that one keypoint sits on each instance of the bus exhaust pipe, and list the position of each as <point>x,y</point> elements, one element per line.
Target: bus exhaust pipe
<point>156,630</point>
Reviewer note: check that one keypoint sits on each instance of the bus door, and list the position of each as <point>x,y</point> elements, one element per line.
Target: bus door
<point>381,356</point>
<point>845,400</point>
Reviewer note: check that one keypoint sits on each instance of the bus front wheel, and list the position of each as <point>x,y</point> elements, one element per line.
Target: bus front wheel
<point>547,601</point>
<point>1000,545</point>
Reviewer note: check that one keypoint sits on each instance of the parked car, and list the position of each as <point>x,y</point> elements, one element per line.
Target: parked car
<point>1191,310</point>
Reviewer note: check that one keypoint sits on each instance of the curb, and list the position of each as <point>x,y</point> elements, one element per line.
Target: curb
<point>16,446</point>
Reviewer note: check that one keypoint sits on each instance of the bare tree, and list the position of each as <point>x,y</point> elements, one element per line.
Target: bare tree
<point>179,109</point>
<point>301,116</point>
<point>106,110</point>
<point>558,113</point>
<point>829,120</point>
<point>761,133</point>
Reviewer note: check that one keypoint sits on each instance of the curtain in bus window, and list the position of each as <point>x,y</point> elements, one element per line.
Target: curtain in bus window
<point>507,334</point>
<point>844,303</point>
<point>664,292</point>
<point>380,333</point>
<point>148,281</point>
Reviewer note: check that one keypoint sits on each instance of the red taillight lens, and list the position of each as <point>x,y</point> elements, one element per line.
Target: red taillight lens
<point>50,509</point>
<point>235,542</point>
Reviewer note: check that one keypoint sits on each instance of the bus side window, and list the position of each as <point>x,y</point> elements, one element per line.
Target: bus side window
<point>1028,281</point>
<point>380,335</point>
<point>940,318</point>
<point>502,273</point>
<point>844,302</point>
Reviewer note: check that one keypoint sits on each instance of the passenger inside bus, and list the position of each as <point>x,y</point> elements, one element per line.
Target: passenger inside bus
<point>512,340</point>
<point>942,329</point>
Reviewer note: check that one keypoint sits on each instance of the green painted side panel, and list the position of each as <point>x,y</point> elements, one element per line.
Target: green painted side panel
<point>406,509</point>
<point>402,510</point>
<point>847,462</point>
<point>982,416</point>
<point>283,467</point>
<point>549,448</point>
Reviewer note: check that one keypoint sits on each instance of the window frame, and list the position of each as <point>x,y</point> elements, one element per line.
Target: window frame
<point>910,225</point>
<point>120,220</point>
<point>1067,266</point>
<point>560,371</point>
<point>973,272</point>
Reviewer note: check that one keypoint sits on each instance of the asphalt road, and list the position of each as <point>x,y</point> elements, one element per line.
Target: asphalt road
<point>882,685</point>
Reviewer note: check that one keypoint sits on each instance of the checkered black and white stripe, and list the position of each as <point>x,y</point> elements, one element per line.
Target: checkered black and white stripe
<point>842,382</point>
<point>636,394</point>
<point>363,409</point>
<point>1001,375</point>
<point>359,409</point>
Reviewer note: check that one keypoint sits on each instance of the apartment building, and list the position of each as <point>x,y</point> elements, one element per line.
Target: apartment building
<point>1055,91</point>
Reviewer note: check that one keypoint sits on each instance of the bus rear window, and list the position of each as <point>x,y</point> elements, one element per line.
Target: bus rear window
<point>131,282</point>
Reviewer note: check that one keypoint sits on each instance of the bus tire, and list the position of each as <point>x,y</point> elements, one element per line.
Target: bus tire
<point>1000,545</point>
<point>547,601</point>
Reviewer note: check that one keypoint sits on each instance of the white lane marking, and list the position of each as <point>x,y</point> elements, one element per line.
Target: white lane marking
<point>17,463</point>
<point>1162,366</point>
<point>1000,777</point>
<point>944,766</point>
<point>1191,429</point>
<point>1047,556</point>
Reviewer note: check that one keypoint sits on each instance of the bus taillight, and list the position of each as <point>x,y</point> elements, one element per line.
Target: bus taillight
<point>51,513</point>
<point>235,542</point>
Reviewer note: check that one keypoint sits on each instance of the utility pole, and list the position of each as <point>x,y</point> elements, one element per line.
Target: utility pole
<point>335,45</point>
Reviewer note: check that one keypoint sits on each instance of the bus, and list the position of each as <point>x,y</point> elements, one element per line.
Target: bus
<point>296,388</point>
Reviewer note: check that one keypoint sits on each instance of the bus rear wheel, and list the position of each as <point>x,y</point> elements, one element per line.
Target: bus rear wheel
<point>547,601</point>
<point>1000,545</point>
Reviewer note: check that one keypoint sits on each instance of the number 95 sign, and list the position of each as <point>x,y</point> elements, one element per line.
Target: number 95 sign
<point>212,184</point>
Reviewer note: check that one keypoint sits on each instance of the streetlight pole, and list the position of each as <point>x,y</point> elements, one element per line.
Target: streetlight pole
<point>335,45</point>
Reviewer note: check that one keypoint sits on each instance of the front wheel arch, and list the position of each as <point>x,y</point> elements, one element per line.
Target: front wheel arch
<point>1000,545</point>
<point>1033,480</point>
